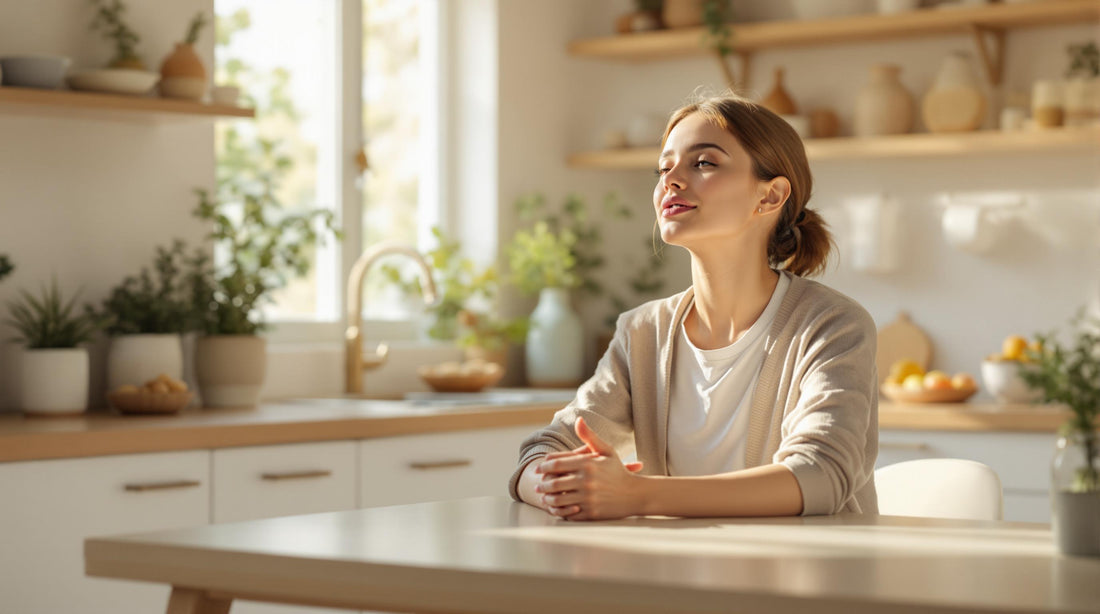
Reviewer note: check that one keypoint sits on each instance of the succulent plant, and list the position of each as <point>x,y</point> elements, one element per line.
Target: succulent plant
<point>193,29</point>
<point>47,321</point>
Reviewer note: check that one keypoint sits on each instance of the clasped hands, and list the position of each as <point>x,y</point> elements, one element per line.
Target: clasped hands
<point>590,482</point>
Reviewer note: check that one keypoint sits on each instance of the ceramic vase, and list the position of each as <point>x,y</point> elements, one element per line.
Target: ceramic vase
<point>230,369</point>
<point>955,103</point>
<point>54,382</point>
<point>682,13</point>
<point>555,342</point>
<point>1075,492</point>
<point>883,105</point>
<point>136,359</point>
<point>182,74</point>
<point>778,101</point>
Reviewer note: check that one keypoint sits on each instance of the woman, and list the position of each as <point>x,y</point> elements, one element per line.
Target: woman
<point>750,394</point>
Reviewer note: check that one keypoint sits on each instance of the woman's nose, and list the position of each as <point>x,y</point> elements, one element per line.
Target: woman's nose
<point>672,179</point>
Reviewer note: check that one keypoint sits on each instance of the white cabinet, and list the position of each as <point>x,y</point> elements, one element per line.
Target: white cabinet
<point>1021,460</point>
<point>437,466</point>
<point>282,480</point>
<point>48,508</point>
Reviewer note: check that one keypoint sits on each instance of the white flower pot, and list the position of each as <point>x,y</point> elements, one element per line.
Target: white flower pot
<point>555,342</point>
<point>230,369</point>
<point>136,359</point>
<point>54,382</point>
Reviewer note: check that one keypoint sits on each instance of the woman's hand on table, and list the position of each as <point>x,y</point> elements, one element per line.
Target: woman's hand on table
<point>590,482</point>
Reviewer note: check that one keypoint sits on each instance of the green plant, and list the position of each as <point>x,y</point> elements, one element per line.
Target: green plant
<point>716,17</point>
<point>648,6</point>
<point>483,330</point>
<point>47,322</point>
<point>6,267</point>
<point>144,305</point>
<point>109,20</point>
<point>541,258</point>
<point>1084,60</point>
<point>1070,374</point>
<point>193,28</point>
<point>262,244</point>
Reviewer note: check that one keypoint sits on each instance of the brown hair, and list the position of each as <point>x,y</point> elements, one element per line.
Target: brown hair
<point>801,241</point>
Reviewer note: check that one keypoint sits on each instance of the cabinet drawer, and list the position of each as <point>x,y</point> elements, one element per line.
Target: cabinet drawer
<point>438,466</point>
<point>1021,460</point>
<point>283,480</point>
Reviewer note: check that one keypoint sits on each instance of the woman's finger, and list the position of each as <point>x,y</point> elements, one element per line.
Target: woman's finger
<point>551,485</point>
<point>554,455</point>
<point>563,512</point>
<point>563,499</point>
<point>565,465</point>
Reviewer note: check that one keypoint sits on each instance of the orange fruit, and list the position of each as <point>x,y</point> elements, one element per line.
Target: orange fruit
<point>1013,347</point>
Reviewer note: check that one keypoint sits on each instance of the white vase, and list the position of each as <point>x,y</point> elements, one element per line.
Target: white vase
<point>54,382</point>
<point>883,105</point>
<point>230,369</point>
<point>555,342</point>
<point>136,359</point>
<point>955,103</point>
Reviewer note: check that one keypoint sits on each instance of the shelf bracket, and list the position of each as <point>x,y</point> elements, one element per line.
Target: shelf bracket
<point>992,59</point>
<point>742,86</point>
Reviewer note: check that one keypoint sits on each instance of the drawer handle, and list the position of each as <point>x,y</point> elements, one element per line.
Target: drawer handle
<point>144,486</point>
<point>912,447</point>
<point>296,475</point>
<point>447,464</point>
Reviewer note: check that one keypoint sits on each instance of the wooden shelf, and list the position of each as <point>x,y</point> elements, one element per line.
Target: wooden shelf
<point>1064,140</point>
<point>668,44</point>
<point>66,103</point>
<point>980,417</point>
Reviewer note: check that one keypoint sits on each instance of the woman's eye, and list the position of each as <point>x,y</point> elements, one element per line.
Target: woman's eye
<point>702,162</point>
<point>660,171</point>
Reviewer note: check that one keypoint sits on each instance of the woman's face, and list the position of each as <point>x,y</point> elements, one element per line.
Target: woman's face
<point>706,188</point>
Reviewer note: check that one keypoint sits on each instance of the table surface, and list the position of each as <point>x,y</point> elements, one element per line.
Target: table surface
<point>493,555</point>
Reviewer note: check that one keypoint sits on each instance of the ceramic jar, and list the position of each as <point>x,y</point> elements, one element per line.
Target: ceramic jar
<point>682,13</point>
<point>182,75</point>
<point>883,105</point>
<point>1082,101</point>
<point>778,101</point>
<point>54,381</point>
<point>1075,492</point>
<point>136,359</point>
<point>555,342</point>
<point>955,103</point>
<point>1048,104</point>
<point>230,369</point>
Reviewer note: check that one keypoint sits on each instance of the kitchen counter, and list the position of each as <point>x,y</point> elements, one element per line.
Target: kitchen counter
<point>100,434</point>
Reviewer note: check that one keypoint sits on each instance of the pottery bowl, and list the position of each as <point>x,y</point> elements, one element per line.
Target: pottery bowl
<point>38,71</point>
<point>1002,380</point>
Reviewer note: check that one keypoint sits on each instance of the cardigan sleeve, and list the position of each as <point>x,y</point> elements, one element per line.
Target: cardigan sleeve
<point>604,403</point>
<point>830,439</point>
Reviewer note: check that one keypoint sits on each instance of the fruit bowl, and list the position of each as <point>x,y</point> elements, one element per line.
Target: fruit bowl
<point>1002,380</point>
<point>470,376</point>
<point>146,402</point>
<point>901,394</point>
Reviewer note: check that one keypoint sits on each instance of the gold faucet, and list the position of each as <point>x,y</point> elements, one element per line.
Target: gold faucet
<point>355,359</point>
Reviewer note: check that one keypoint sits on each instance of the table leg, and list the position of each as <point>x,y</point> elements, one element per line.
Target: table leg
<point>194,601</point>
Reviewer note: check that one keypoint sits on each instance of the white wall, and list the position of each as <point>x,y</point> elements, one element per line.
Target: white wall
<point>551,105</point>
<point>88,200</point>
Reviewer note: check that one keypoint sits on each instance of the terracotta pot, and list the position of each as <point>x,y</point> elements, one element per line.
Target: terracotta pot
<point>778,101</point>
<point>883,106</point>
<point>183,74</point>
<point>230,369</point>
<point>682,13</point>
<point>955,103</point>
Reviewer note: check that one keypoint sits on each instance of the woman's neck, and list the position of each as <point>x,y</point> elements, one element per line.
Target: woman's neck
<point>731,291</point>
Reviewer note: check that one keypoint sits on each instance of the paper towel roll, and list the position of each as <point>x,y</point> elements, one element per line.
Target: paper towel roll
<point>965,226</point>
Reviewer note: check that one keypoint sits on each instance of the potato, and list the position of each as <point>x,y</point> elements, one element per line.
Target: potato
<point>127,389</point>
<point>176,385</point>
<point>158,387</point>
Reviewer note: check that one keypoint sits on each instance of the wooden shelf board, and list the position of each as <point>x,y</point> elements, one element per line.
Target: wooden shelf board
<point>89,104</point>
<point>667,44</point>
<point>979,417</point>
<point>1080,140</point>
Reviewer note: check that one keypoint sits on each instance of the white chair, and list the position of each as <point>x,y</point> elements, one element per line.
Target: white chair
<point>940,488</point>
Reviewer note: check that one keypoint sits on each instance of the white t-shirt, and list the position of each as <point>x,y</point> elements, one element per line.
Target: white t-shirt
<point>710,397</point>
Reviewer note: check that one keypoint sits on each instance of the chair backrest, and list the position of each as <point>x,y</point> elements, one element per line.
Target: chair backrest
<point>940,488</point>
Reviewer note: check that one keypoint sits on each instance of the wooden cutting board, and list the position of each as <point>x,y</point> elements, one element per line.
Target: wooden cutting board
<point>902,339</point>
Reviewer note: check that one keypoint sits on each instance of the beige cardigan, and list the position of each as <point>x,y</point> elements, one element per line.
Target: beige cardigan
<point>814,408</point>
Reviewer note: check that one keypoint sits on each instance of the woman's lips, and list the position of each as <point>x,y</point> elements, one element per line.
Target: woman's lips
<point>676,209</point>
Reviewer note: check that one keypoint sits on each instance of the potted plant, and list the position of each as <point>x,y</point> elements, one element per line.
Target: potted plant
<point>182,74</point>
<point>1082,92</point>
<point>109,20</point>
<point>6,267</point>
<point>146,316</point>
<point>1070,374</point>
<point>487,336</point>
<point>263,246</point>
<point>54,367</point>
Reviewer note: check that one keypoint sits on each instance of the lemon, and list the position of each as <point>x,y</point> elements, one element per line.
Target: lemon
<point>913,381</point>
<point>1013,347</point>
<point>904,368</point>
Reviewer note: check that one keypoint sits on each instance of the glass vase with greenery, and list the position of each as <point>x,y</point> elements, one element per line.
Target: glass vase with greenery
<point>1070,375</point>
<point>49,322</point>
<point>109,20</point>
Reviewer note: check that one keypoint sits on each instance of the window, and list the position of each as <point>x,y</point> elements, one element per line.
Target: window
<point>298,91</point>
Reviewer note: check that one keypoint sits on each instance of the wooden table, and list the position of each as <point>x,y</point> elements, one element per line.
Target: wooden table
<point>493,555</point>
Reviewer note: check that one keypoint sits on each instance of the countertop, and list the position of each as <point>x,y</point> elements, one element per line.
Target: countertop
<point>99,434</point>
<point>494,555</point>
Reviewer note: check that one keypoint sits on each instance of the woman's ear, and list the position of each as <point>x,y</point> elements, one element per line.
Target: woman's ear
<point>774,195</point>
